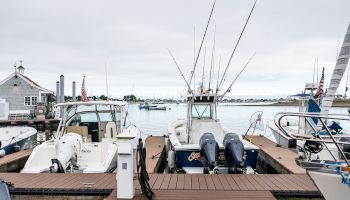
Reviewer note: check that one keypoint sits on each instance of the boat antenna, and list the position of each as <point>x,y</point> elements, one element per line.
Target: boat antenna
<point>200,47</point>
<point>313,75</point>
<point>182,75</point>
<point>236,45</point>
<point>106,80</point>
<point>229,88</point>
<point>212,61</point>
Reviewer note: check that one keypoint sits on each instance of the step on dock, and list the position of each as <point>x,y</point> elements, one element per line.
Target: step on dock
<point>167,186</point>
<point>281,159</point>
<point>14,161</point>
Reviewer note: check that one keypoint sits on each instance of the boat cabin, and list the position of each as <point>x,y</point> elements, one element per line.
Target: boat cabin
<point>93,120</point>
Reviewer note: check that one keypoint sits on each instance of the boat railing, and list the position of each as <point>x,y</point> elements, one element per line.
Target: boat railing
<point>315,137</point>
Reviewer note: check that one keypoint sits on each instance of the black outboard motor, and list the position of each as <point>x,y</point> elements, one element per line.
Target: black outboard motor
<point>209,150</point>
<point>234,151</point>
<point>346,147</point>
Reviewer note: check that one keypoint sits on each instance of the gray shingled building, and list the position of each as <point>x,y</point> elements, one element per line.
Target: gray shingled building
<point>22,93</point>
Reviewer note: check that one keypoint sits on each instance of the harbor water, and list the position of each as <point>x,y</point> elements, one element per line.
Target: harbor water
<point>232,116</point>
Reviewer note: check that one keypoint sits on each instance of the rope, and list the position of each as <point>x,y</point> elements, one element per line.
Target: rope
<point>345,179</point>
<point>142,174</point>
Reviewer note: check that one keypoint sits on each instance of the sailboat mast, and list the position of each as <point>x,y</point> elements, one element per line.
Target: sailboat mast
<point>340,67</point>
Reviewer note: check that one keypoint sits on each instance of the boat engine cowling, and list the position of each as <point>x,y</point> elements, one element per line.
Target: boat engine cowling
<point>66,150</point>
<point>234,150</point>
<point>209,149</point>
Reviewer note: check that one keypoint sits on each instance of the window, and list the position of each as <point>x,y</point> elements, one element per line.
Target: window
<point>201,111</point>
<point>30,101</point>
<point>34,101</point>
<point>27,101</point>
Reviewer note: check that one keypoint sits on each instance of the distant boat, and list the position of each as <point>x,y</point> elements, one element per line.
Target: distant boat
<point>146,105</point>
<point>156,108</point>
<point>13,139</point>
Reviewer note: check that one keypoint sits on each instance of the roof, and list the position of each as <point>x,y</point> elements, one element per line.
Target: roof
<point>78,103</point>
<point>26,79</point>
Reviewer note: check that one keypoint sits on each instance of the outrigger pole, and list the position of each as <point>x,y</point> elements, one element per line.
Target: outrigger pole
<point>182,75</point>
<point>234,50</point>
<point>229,88</point>
<point>200,47</point>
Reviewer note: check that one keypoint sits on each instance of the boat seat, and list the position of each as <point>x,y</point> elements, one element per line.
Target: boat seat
<point>81,130</point>
<point>111,130</point>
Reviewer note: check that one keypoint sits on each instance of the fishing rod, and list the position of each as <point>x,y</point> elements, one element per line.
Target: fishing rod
<point>200,47</point>
<point>212,60</point>
<point>182,75</point>
<point>218,75</point>
<point>239,39</point>
<point>203,78</point>
<point>245,66</point>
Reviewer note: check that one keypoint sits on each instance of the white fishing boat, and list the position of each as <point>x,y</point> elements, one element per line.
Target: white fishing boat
<point>201,144</point>
<point>85,141</point>
<point>13,139</point>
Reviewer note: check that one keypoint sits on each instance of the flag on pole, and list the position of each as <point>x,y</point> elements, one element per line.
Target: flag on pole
<point>320,86</point>
<point>84,98</point>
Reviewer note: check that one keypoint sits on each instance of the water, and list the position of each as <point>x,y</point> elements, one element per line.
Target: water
<point>236,118</point>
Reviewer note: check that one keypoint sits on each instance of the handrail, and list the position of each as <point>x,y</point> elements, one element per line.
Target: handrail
<point>279,116</point>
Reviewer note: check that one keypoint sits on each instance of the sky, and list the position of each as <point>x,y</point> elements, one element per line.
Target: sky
<point>128,41</point>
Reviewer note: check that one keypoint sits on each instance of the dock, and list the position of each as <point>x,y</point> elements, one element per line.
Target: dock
<point>167,186</point>
<point>14,161</point>
<point>155,150</point>
<point>39,125</point>
<point>280,159</point>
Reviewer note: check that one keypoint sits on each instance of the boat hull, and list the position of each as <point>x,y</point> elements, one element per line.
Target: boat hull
<point>330,185</point>
<point>192,158</point>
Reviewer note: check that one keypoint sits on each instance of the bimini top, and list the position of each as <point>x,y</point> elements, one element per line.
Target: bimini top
<point>89,103</point>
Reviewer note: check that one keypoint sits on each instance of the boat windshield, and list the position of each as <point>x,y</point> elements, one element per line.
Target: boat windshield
<point>105,112</point>
<point>201,111</point>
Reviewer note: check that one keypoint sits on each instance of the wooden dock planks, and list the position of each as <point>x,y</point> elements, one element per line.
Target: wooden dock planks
<point>155,149</point>
<point>14,161</point>
<point>282,157</point>
<point>205,182</point>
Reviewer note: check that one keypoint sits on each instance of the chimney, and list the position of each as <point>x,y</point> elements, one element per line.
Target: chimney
<point>58,92</point>
<point>20,69</point>
<point>61,93</point>
<point>73,92</point>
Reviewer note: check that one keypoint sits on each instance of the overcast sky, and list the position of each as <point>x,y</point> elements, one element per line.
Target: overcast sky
<point>78,37</point>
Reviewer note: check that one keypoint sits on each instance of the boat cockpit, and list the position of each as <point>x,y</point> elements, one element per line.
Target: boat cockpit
<point>93,121</point>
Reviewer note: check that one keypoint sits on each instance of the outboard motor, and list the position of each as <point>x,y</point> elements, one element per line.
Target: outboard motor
<point>234,151</point>
<point>67,149</point>
<point>346,147</point>
<point>209,150</point>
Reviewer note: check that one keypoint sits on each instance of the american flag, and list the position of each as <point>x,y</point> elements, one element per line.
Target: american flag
<point>84,98</point>
<point>320,86</point>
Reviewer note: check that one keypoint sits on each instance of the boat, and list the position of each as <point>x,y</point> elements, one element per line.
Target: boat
<point>309,126</point>
<point>156,108</point>
<point>85,141</point>
<point>330,176</point>
<point>16,138</point>
<point>201,144</point>
<point>146,106</point>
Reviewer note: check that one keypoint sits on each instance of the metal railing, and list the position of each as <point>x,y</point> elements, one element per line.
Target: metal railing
<point>315,136</point>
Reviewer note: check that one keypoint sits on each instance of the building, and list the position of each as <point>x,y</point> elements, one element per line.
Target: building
<point>22,93</point>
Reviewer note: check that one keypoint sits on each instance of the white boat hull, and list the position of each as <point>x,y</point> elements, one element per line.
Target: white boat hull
<point>330,185</point>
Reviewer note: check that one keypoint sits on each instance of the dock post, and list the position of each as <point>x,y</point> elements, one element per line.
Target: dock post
<point>125,168</point>
<point>61,94</point>
<point>73,92</point>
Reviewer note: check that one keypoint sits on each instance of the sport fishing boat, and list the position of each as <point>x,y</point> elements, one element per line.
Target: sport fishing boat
<point>85,141</point>
<point>17,138</point>
<point>200,144</point>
